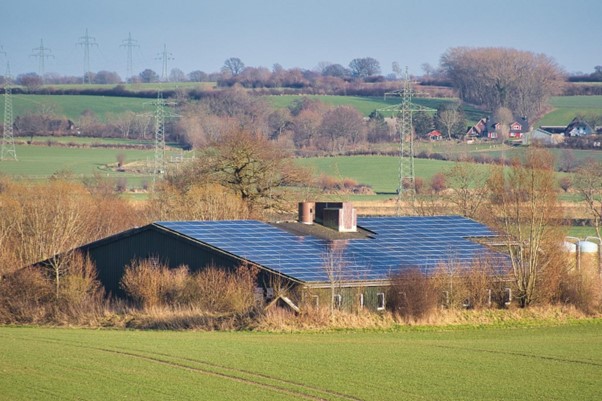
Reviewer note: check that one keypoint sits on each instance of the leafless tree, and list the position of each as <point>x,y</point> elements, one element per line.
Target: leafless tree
<point>501,77</point>
<point>233,66</point>
<point>525,205</point>
<point>588,183</point>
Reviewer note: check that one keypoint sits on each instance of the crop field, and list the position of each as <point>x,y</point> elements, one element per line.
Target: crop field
<point>568,107</point>
<point>380,172</point>
<point>489,363</point>
<point>72,106</point>
<point>43,161</point>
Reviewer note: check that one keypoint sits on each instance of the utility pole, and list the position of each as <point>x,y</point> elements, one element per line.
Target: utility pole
<point>129,44</point>
<point>42,53</point>
<point>86,41</point>
<point>7,149</point>
<point>165,56</point>
<point>403,113</point>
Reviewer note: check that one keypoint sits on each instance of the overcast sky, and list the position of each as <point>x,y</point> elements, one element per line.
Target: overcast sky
<point>201,35</point>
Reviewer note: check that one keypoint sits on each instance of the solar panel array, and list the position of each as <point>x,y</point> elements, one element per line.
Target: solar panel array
<point>394,243</point>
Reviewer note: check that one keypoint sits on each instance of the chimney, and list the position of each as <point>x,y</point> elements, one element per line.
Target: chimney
<point>340,216</point>
<point>307,212</point>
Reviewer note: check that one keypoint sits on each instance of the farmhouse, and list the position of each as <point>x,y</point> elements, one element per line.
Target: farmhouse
<point>488,128</point>
<point>328,249</point>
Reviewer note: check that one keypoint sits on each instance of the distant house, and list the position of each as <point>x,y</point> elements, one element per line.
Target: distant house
<point>487,128</point>
<point>578,127</point>
<point>519,128</point>
<point>434,135</point>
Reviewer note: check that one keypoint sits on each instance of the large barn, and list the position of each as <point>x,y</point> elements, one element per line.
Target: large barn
<point>328,247</point>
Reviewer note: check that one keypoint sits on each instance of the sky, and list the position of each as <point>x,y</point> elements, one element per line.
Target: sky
<point>201,34</point>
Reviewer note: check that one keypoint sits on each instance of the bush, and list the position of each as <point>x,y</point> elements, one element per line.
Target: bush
<point>152,284</point>
<point>25,297</point>
<point>412,295</point>
<point>213,289</point>
<point>217,290</point>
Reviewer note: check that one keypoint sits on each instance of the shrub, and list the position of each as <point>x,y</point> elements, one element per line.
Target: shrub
<point>412,295</point>
<point>25,296</point>
<point>213,289</point>
<point>152,284</point>
<point>218,290</point>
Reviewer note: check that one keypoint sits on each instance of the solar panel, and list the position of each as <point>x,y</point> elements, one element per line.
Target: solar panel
<point>393,243</point>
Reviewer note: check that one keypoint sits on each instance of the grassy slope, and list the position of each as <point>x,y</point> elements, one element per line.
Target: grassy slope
<point>380,172</point>
<point>72,106</point>
<point>567,107</point>
<point>42,161</point>
<point>538,363</point>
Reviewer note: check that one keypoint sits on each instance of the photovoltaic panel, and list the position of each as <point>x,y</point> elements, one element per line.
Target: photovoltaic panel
<point>393,243</point>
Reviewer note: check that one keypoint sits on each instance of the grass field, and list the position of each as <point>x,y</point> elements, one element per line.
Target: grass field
<point>567,107</point>
<point>521,363</point>
<point>72,106</point>
<point>380,172</point>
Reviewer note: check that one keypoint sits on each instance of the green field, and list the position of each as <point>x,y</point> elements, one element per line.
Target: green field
<point>492,363</point>
<point>42,161</point>
<point>380,172</point>
<point>72,106</point>
<point>568,107</point>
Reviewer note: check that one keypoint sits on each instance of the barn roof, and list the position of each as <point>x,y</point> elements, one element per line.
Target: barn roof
<point>389,243</point>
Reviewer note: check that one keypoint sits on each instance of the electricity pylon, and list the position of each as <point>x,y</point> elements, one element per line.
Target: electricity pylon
<point>7,150</point>
<point>403,114</point>
<point>86,41</point>
<point>160,167</point>
<point>42,53</point>
<point>129,44</point>
<point>165,56</point>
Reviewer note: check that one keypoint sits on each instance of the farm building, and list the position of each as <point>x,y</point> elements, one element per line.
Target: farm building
<point>328,247</point>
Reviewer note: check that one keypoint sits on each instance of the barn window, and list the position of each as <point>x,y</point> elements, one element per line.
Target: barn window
<point>315,301</point>
<point>337,301</point>
<point>508,296</point>
<point>380,301</point>
<point>361,301</point>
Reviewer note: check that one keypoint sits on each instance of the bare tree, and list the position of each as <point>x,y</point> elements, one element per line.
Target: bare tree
<point>233,66</point>
<point>333,264</point>
<point>501,77</point>
<point>467,188</point>
<point>364,67</point>
<point>526,209</point>
<point>588,183</point>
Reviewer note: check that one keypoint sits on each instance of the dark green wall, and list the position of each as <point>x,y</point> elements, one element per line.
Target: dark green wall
<point>112,255</point>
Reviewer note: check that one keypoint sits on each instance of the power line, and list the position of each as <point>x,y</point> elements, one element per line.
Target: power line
<point>42,53</point>
<point>165,56</point>
<point>129,44</point>
<point>86,41</point>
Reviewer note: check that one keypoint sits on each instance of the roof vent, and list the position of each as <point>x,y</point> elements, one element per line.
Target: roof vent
<point>340,216</point>
<point>307,212</point>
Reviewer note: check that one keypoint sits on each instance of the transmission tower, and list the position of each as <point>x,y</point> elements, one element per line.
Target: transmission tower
<point>165,56</point>
<point>159,167</point>
<point>7,150</point>
<point>42,53</point>
<point>129,44</point>
<point>403,113</point>
<point>86,42</point>
<point>161,114</point>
